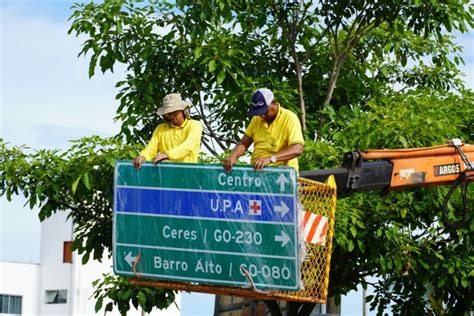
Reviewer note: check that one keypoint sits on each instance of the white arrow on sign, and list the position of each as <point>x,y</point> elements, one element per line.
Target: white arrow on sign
<point>282,181</point>
<point>283,209</point>
<point>284,238</point>
<point>130,260</point>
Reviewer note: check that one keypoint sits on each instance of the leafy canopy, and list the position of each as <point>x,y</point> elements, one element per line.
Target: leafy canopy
<point>361,74</point>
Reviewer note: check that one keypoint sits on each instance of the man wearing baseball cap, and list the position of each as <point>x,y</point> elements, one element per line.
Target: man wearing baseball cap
<point>177,140</point>
<point>274,131</point>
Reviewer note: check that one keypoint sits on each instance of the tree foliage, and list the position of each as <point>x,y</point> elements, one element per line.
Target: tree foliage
<point>361,74</point>
<point>217,52</point>
<point>420,265</point>
<point>121,293</point>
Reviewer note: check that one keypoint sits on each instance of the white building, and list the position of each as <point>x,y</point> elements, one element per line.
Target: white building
<point>59,284</point>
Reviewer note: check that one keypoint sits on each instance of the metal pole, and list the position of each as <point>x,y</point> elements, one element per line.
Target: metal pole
<point>364,295</point>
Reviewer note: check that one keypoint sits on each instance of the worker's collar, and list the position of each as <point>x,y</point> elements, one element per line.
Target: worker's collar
<point>279,111</point>
<point>182,125</point>
<point>276,117</point>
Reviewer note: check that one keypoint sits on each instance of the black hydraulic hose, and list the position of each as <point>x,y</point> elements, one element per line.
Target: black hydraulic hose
<point>462,181</point>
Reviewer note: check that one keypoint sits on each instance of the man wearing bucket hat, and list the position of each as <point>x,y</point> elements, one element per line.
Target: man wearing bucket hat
<point>274,131</point>
<point>177,140</point>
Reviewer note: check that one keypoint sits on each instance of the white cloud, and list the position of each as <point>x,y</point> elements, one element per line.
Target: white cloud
<point>45,84</point>
<point>46,100</point>
<point>19,231</point>
<point>468,71</point>
<point>466,40</point>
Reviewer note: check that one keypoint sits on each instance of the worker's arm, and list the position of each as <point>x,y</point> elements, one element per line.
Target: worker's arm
<point>286,154</point>
<point>149,152</point>
<point>238,151</point>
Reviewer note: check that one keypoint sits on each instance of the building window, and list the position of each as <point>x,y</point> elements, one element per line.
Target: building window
<point>10,304</point>
<point>67,252</point>
<point>56,297</point>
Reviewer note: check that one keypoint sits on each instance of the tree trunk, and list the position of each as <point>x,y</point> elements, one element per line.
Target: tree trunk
<point>300,93</point>
<point>336,68</point>
<point>331,307</point>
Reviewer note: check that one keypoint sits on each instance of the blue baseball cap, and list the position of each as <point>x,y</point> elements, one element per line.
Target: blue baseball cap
<point>261,100</point>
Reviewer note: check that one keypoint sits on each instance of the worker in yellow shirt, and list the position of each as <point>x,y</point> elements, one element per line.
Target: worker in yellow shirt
<point>177,140</point>
<point>274,131</point>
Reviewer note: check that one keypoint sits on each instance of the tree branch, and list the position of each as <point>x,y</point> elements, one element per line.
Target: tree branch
<point>208,125</point>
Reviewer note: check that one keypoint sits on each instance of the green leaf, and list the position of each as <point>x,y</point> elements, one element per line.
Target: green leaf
<point>92,65</point>
<point>441,282</point>
<point>350,245</point>
<point>75,184</point>
<point>98,304</point>
<point>424,264</point>
<point>438,255</point>
<point>198,52</point>
<point>119,26</point>
<point>141,298</point>
<point>85,177</point>
<point>109,307</point>
<point>404,142</point>
<point>85,257</point>
<point>403,60</point>
<point>353,231</point>
<point>382,262</point>
<point>149,99</point>
<point>389,263</point>
<point>32,201</point>
<point>220,77</point>
<point>212,65</point>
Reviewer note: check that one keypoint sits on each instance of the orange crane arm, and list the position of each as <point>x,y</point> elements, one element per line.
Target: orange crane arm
<point>397,169</point>
<point>384,170</point>
<point>431,166</point>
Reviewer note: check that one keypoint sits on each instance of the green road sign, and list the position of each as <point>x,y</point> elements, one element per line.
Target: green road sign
<point>197,223</point>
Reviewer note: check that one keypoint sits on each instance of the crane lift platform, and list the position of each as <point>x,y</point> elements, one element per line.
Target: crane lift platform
<point>258,234</point>
<point>401,169</point>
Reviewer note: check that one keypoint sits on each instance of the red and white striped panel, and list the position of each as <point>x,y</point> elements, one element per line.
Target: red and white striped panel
<point>314,228</point>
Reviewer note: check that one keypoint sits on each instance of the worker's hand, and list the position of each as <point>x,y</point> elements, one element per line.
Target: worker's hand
<point>262,162</point>
<point>160,157</point>
<point>137,162</point>
<point>228,163</point>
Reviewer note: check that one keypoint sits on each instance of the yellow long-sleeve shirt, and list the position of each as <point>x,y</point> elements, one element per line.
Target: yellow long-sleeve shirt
<point>180,143</point>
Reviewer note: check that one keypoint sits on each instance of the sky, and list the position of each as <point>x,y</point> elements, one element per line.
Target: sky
<point>47,99</point>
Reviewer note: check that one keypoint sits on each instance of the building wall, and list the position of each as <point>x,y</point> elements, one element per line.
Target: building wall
<point>54,274</point>
<point>84,275</point>
<point>84,303</point>
<point>21,279</point>
<point>31,281</point>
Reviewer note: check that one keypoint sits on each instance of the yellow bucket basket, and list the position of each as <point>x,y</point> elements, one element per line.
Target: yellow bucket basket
<point>315,197</point>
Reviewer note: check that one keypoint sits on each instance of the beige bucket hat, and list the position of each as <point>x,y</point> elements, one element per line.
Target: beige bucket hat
<point>172,102</point>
